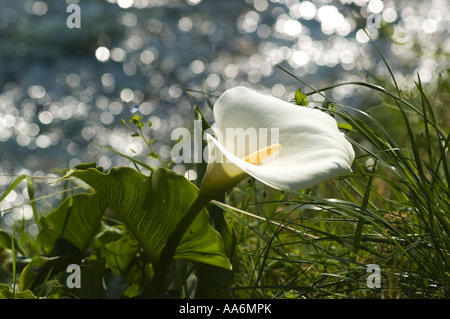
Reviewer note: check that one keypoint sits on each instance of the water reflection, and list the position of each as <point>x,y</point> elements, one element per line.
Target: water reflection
<point>62,88</point>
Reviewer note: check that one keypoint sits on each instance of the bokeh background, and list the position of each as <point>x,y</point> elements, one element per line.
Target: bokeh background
<point>63,88</point>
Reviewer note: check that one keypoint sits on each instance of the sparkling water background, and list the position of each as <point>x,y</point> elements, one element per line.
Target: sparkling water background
<point>62,88</point>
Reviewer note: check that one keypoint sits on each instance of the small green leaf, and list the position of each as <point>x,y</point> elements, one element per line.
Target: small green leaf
<point>41,268</point>
<point>5,239</point>
<point>137,120</point>
<point>345,126</point>
<point>152,155</point>
<point>300,98</point>
<point>330,106</point>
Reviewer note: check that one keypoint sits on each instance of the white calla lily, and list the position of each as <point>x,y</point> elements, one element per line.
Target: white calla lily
<point>309,147</point>
<point>292,148</point>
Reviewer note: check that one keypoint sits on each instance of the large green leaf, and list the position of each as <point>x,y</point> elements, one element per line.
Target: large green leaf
<point>6,293</point>
<point>76,220</point>
<point>151,207</point>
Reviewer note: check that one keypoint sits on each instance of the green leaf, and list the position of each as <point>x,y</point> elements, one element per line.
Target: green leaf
<point>345,126</point>
<point>41,268</point>
<point>12,186</point>
<point>300,98</point>
<point>213,281</point>
<point>91,280</point>
<point>119,254</point>
<point>151,207</point>
<point>77,220</point>
<point>5,239</point>
<point>137,120</point>
<point>6,293</point>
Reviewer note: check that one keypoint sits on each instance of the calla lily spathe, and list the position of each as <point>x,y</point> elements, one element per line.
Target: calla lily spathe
<point>310,147</point>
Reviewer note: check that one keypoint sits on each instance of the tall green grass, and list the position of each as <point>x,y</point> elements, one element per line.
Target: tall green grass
<point>393,210</point>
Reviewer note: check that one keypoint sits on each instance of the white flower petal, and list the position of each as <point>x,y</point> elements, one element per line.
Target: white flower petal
<point>312,147</point>
<point>221,174</point>
<point>290,173</point>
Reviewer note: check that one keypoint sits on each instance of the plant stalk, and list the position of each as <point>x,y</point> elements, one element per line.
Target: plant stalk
<point>162,267</point>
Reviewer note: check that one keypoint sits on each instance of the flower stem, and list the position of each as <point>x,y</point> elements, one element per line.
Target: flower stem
<point>162,266</point>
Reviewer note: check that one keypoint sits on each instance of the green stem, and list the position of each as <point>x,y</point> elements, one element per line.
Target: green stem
<point>162,267</point>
